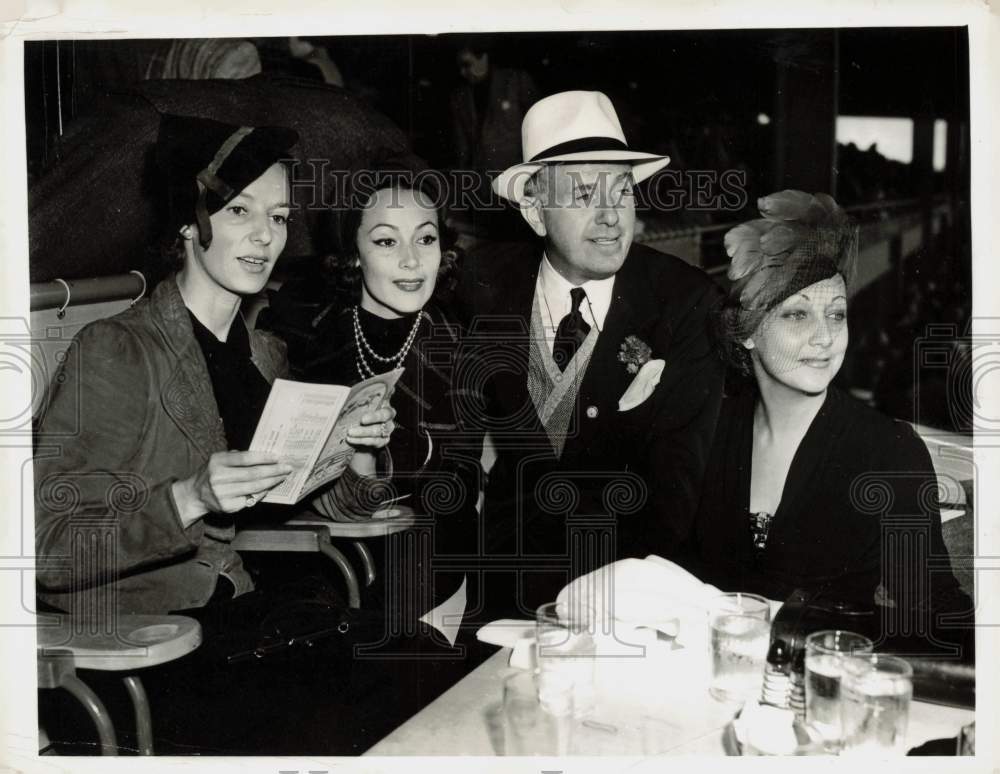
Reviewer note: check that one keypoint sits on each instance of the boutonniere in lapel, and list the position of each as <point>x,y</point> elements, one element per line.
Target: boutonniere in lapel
<point>635,354</point>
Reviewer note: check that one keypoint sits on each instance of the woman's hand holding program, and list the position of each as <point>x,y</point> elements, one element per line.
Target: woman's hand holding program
<point>230,481</point>
<point>370,436</point>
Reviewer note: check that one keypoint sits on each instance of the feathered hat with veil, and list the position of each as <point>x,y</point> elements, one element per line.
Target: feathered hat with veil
<point>799,240</point>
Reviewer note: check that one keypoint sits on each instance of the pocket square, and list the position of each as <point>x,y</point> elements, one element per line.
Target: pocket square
<point>642,385</point>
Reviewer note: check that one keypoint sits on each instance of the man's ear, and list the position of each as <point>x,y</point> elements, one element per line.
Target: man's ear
<point>531,211</point>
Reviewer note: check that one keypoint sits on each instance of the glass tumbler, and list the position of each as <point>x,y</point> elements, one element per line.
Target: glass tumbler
<point>531,728</point>
<point>825,653</point>
<point>875,694</point>
<point>566,653</point>
<point>741,631</point>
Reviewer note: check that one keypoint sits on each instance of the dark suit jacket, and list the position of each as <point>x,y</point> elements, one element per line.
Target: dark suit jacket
<point>641,469</point>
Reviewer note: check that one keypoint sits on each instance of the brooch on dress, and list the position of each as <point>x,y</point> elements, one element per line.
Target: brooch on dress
<point>760,525</point>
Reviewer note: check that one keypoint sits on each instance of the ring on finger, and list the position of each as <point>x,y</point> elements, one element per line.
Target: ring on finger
<point>251,501</point>
<point>384,429</point>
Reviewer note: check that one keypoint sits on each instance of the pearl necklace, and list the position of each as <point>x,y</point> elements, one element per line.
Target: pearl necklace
<point>361,346</point>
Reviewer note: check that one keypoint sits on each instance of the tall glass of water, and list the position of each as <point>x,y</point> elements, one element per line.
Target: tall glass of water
<point>826,652</point>
<point>741,631</point>
<point>875,696</point>
<point>566,652</point>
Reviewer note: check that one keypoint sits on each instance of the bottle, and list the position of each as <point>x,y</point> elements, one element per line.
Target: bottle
<point>777,689</point>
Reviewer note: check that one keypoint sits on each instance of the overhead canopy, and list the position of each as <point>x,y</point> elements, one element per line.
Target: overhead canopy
<point>94,213</point>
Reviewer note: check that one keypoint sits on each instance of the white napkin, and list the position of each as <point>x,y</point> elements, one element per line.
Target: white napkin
<point>515,634</point>
<point>642,385</point>
<point>506,632</point>
<point>651,592</point>
<point>633,599</point>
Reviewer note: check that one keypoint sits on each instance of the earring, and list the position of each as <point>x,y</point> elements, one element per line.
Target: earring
<point>187,233</point>
<point>748,344</point>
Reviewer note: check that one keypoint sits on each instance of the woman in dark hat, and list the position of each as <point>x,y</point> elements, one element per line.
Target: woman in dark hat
<point>149,473</point>
<point>154,416</point>
<point>806,484</point>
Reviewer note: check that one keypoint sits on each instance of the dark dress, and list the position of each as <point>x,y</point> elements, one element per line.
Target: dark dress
<point>858,520</point>
<point>432,462</point>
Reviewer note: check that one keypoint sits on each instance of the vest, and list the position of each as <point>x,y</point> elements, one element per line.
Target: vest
<point>553,392</point>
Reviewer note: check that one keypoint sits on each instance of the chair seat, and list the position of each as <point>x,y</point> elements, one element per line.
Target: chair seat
<point>358,529</point>
<point>127,643</point>
<point>312,532</point>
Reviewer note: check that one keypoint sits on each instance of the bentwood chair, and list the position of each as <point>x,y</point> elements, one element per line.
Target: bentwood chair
<point>312,533</point>
<point>130,643</point>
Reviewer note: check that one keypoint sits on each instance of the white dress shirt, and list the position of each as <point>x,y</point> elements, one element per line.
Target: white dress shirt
<point>552,291</point>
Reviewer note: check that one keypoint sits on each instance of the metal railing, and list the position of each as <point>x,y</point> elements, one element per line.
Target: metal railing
<point>60,294</point>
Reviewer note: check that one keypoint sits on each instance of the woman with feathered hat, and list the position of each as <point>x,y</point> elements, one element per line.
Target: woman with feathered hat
<point>806,484</point>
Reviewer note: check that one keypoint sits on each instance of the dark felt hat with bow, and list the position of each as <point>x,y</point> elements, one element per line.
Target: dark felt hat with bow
<point>206,163</point>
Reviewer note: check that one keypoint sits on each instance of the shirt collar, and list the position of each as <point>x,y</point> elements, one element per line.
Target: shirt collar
<point>555,289</point>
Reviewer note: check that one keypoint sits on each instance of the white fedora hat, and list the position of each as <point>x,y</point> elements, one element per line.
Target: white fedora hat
<point>572,126</point>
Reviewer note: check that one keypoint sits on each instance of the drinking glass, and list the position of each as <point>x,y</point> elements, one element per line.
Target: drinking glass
<point>531,728</point>
<point>740,627</point>
<point>564,633</point>
<point>875,698</point>
<point>826,652</point>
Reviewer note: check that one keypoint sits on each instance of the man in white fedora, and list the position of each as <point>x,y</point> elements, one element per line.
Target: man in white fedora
<point>601,387</point>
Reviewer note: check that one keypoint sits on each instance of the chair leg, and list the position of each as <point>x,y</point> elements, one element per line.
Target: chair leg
<point>95,708</point>
<point>143,721</point>
<point>367,561</point>
<point>332,552</point>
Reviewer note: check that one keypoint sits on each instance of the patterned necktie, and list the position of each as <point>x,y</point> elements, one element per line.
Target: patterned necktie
<point>573,329</point>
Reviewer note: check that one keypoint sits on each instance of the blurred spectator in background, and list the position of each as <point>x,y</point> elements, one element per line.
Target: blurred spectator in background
<point>486,110</point>
<point>318,57</point>
<point>307,58</point>
<point>868,176</point>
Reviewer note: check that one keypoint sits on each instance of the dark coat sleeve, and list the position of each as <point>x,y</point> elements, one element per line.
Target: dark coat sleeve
<point>461,446</point>
<point>690,395</point>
